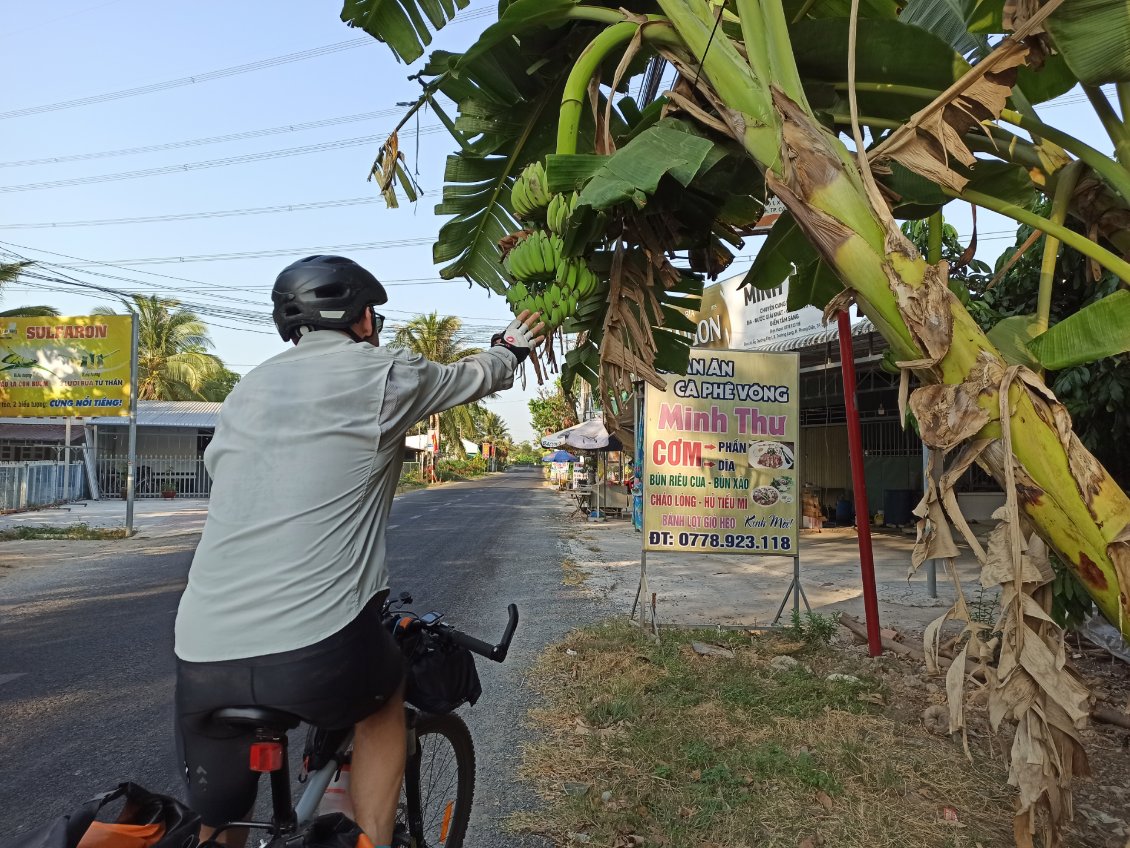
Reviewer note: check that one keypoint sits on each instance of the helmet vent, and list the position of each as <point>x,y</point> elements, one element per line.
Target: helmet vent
<point>332,291</point>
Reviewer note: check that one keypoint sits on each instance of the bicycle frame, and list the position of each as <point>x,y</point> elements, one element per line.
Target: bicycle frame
<point>315,785</point>
<point>287,819</point>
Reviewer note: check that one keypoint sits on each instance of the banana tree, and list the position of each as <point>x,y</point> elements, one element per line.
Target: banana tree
<point>757,107</point>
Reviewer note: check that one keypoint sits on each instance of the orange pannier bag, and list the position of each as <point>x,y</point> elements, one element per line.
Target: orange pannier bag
<point>145,820</point>
<point>115,835</point>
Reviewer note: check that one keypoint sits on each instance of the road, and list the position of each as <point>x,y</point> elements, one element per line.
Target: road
<point>86,667</point>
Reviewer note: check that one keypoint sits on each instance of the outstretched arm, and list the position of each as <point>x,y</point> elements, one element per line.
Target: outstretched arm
<point>436,387</point>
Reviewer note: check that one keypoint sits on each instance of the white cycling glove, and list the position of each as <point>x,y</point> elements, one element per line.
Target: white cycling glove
<point>517,338</point>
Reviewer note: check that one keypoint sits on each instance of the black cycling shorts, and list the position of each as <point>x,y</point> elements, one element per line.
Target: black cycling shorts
<point>331,684</point>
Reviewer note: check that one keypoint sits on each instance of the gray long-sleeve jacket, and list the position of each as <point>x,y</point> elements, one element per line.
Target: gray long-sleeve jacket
<point>305,462</point>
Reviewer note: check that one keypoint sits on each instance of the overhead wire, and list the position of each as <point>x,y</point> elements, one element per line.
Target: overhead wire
<point>242,159</point>
<point>254,254</point>
<point>192,216</point>
<point>207,76</point>
<point>214,139</point>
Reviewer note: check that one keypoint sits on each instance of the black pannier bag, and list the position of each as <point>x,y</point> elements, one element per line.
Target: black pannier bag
<point>441,676</point>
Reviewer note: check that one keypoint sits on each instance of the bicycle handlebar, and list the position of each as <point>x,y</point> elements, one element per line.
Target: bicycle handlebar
<point>498,652</point>
<point>408,621</point>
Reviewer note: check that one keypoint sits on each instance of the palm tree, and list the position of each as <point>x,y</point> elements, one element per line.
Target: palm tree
<point>441,339</point>
<point>493,431</point>
<point>173,362</point>
<point>9,271</point>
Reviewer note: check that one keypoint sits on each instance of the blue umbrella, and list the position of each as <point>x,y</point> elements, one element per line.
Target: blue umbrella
<point>559,456</point>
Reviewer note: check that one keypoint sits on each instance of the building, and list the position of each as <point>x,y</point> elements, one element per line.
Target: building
<point>751,319</point>
<point>171,439</point>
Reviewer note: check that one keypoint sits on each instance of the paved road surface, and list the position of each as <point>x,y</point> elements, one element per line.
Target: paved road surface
<point>86,671</point>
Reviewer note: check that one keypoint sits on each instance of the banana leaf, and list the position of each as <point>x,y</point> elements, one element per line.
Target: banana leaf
<point>633,172</point>
<point>813,284</point>
<point>785,249</point>
<point>1093,36</point>
<point>401,24</point>
<point>947,20</point>
<point>1094,332</point>
<point>895,53</point>
<point>1011,336</point>
<point>840,9</point>
<point>518,18</point>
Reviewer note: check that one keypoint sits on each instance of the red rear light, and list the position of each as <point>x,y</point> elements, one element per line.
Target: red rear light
<point>266,756</point>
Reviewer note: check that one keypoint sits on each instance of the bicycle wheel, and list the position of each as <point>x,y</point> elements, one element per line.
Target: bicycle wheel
<point>439,782</point>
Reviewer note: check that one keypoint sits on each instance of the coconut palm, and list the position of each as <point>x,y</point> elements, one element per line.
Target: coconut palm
<point>493,429</point>
<point>173,362</point>
<point>441,339</point>
<point>9,271</point>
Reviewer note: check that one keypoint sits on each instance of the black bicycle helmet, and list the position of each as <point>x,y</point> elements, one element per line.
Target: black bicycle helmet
<point>323,292</point>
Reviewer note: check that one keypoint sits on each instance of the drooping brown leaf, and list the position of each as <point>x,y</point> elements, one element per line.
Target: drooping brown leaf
<point>933,136</point>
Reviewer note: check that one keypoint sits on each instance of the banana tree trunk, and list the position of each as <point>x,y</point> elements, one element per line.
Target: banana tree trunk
<point>1070,499</point>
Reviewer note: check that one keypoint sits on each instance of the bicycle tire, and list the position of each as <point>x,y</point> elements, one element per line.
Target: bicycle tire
<point>441,741</point>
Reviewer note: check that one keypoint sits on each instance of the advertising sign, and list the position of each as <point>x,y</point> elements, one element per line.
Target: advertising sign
<point>68,367</point>
<point>733,318</point>
<point>721,454</point>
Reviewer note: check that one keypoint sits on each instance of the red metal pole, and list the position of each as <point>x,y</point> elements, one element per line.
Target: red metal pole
<point>859,484</point>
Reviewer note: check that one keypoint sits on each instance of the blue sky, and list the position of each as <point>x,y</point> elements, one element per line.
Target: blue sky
<point>75,49</point>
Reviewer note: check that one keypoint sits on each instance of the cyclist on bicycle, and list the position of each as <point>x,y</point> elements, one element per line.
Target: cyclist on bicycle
<point>283,602</point>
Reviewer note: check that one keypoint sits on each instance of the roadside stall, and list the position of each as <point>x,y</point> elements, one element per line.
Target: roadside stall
<point>602,495</point>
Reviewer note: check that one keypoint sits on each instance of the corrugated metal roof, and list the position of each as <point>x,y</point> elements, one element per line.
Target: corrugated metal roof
<point>822,336</point>
<point>24,429</point>
<point>169,413</point>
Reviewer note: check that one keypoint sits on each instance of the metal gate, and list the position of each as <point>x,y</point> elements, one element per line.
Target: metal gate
<point>157,476</point>
<point>28,484</point>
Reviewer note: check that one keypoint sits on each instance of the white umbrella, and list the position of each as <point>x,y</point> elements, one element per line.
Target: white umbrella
<point>588,435</point>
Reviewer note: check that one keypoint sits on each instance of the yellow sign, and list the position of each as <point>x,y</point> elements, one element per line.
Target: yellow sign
<point>65,367</point>
<point>720,456</point>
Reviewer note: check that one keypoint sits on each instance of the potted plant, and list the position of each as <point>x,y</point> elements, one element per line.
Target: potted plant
<point>168,490</point>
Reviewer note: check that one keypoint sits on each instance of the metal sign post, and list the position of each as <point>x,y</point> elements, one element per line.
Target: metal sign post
<point>131,462</point>
<point>796,591</point>
<point>66,457</point>
<point>643,591</point>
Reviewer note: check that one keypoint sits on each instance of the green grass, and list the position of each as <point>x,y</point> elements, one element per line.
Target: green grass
<point>73,531</point>
<point>708,751</point>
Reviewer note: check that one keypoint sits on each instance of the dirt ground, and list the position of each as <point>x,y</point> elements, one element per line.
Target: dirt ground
<point>603,558</point>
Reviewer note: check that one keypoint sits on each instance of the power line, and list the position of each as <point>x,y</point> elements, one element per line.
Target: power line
<point>191,216</point>
<point>254,254</point>
<point>200,287</point>
<point>209,163</point>
<point>197,142</point>
<point>208,76</point>
<point>272,62</point>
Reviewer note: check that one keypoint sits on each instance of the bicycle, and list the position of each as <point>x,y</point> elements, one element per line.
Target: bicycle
<point>434,742</point>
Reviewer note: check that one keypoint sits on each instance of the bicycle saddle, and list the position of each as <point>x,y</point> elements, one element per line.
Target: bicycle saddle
<point>257,718</point>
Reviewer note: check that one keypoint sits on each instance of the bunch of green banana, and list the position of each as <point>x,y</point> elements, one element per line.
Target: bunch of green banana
<point>530,195</point>
<point>558,212</point>
<point>576,278</point>
<point>535,258</point>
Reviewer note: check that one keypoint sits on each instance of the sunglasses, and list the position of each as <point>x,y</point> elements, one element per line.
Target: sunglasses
<point>378,320</point>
